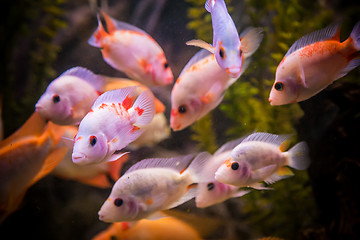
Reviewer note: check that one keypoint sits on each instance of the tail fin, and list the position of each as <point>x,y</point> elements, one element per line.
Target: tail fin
<point>99,33</point>
<point>144,106</point>
<point>299,156</point>
<point>355,35</point>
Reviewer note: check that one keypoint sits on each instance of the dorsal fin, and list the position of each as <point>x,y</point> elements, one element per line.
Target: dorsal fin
<point>113,24</point>
<point>196,58</point>
<point>115,96</point>
<point>177,163</point>
<point>317,36</point>
<point>85,74</point>
<point>266,137</point>
<point>229,146</point>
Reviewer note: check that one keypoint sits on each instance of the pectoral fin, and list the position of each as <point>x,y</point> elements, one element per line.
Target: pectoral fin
<point>261,173</point>
<point>201,44</point>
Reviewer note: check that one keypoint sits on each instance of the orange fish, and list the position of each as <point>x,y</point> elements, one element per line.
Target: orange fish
<point>164,228</point>
<point>25,157</point>
<point>313,63</point>
<point>94,175</point>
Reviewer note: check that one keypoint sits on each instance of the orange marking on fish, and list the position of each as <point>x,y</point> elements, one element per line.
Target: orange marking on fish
<point>282,61</point>
<point>182,171</point>
<point>177,81</point>
<point>193,68</point>
<point>114,107</point>
<point>227,162</point>
<point>208,98</point>
<point>174,112</point>
<point>140,111</point>
<point>128,102</point>
<point>104,105</point>
<point>91,110</point>
<point>327,47</point>
<point>125,225</point>
<point>149,201</point>
<point>109,23</point>
<point>114,140</point>
<point>160,56</point>
<point>79,138</point>
<point>135,128</point>
<point>109,199</point>
<point>191,186</point>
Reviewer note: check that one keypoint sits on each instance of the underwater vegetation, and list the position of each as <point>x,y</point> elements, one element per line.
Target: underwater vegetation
<point>321,203</point>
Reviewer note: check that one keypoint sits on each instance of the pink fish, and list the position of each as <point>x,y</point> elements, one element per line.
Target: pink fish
<point>93,174</point>
<point>313,62</point>
<point>70,96</point>
<point>133,51</point>
<point>113,122</point>
<point>202,83</point>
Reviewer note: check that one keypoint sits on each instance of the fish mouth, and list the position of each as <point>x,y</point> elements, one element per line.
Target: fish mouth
<point>233,71</point>
<point>78,158</point>
<point>175,127</point>
<point>38,108</point>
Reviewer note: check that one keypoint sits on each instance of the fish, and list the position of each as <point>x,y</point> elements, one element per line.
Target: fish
<point>214,192</point>
<point>300,75</point>
<point>156,131</point>
<point>164,228</point>
<point>26,156</point>
<point>111,83</point>
<point>132,51</point>
<point>229,49</point>
<point>69,97</point>
<point>96,175</point>
<point>153,185</point>
<point>202,83</point>
<point>260,157</point>
<point>111,124</point>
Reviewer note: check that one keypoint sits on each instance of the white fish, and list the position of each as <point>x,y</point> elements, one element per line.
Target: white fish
<point>111,124</point>
<point>213,192</point>
<point>152,185</point>
<point>227,46</point>
<point>69,97</point>
<point>260,158</point>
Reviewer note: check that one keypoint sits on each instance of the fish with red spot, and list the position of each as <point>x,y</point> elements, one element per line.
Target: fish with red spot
<point>314,62</point>
<point>132,51</point>
<point>113,122</point>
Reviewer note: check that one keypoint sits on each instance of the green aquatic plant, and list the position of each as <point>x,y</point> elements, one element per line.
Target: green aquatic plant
<point>28,54</point>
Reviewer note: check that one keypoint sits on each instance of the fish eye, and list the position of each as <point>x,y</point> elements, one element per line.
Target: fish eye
<point>118,202</point>
<point>56,98</point>
<point>279,86</point>
<point>166,65</point>
<point>235,166</point>
<point>92,140</point>
<point>210,186</point>
<point>222,53</point>
<point>182,109</point>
